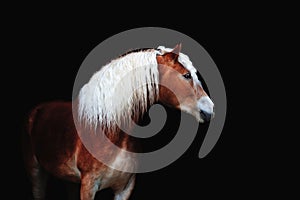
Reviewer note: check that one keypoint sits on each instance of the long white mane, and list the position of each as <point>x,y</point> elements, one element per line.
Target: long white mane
<point>120,89</point>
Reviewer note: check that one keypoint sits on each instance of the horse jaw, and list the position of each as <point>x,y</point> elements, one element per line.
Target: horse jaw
<point>194,112</point>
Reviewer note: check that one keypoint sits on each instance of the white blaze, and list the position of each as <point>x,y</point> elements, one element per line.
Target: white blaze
<point>206,104</point>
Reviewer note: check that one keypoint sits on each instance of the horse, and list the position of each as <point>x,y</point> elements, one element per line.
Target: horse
<point>118,94</point>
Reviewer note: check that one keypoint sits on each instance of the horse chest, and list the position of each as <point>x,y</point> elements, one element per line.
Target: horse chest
<point>115,178</point>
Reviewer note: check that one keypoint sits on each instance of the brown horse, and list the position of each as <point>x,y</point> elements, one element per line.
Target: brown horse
<point>120,91</point>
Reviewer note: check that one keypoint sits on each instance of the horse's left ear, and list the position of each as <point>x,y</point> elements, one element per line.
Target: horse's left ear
<point>170,56</point>
<point>177,49</point>
<point>173,55</point>
<point>175,52</point>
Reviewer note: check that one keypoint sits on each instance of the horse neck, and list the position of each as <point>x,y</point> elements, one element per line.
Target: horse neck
<point>120,137</point>
<point>120,89</point>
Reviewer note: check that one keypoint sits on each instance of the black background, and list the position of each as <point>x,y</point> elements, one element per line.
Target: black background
<point>45,50</point>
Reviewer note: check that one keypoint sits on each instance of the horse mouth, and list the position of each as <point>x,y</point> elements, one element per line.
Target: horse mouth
<point>206,116</point>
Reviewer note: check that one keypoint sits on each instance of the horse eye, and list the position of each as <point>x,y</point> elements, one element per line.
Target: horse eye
<point>187,75</point>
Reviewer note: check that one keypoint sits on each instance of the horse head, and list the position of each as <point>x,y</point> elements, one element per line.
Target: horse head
<point>179,86</point>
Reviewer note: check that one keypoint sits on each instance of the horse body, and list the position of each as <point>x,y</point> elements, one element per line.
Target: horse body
<point>55,131</point>
<point>65,156</point>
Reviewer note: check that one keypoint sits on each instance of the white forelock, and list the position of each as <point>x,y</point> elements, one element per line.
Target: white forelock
<point>119,89</point>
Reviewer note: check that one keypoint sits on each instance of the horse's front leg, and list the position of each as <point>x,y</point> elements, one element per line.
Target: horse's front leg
<point>125,193</point>
<point>89,187</point>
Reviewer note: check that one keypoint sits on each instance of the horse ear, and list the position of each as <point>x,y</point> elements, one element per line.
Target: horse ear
<point>175,52</point>
<point>173,55</point>
<point>177,49</point>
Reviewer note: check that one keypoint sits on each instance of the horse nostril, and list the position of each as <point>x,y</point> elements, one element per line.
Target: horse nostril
<point>205,115</point>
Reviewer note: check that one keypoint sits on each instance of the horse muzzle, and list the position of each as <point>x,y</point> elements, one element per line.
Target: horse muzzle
<point>206,116</point>
<point>206,108</point>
